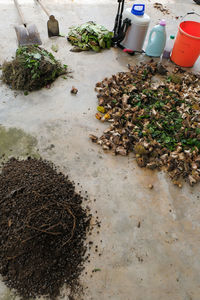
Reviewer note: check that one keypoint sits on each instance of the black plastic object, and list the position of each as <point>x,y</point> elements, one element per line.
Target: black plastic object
<point>120,28</point>
<point>197,1</point>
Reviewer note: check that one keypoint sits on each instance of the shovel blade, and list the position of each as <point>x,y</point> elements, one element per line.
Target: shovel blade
<point>28,35</point>
<point>53,27</point>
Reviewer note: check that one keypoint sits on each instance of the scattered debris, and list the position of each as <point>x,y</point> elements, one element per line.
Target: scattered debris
<point>162,8</point>
<point>158,121</point>
<point>150,186</point>
<point>76,49</point>
<point>89,36</point>
<point>43,229</point>
<point>55,48</point>
<point>98,116</point>
<point>177,183</point>
<point>96,270</point>
<point>48,86</point>
<point>93,138</point>
<point>74,90</point>
<point>31,69</point>
<point>101,109</point>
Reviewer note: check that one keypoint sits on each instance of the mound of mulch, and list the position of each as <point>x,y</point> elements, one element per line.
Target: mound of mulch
<point>32,68</point>
<point>43,226</point>
<point>155,113</point>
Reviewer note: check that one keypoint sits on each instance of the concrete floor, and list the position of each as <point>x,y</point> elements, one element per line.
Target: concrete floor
<point>161,258</point>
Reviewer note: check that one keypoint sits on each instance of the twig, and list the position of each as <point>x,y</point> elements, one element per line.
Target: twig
<point>44,231</point>
<point>74,226</point>
<point>14,257</point>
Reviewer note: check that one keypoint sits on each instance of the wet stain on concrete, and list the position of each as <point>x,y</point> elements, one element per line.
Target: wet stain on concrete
<point>15,142</point>
<point>8,296</point>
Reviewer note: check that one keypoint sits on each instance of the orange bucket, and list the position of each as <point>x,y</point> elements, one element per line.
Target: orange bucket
<point>186,48</point>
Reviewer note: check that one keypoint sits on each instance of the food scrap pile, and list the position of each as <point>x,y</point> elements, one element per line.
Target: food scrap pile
<point>155,116</point>
<point>31,69</point>
<point>43,229</point>
<point>90,36</point>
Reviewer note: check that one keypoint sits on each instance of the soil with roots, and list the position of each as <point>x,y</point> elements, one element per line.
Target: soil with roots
<point>43,229</point>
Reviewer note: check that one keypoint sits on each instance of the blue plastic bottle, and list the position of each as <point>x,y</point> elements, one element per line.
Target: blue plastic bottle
<point>156,43</point>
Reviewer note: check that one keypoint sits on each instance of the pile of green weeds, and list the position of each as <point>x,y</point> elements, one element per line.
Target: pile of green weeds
<point>31,69</point>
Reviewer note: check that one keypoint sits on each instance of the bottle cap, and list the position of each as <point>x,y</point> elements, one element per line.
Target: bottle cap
<point>162,23</point>
<point>138,9</point>
<point>172,37</point>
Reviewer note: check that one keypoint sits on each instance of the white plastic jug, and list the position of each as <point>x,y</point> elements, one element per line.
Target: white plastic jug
<point>136,33</point>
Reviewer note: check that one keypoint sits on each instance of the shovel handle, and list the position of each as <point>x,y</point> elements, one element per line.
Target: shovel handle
<point>20,13</point>
<point>44,8</point>
<point>190,13</point>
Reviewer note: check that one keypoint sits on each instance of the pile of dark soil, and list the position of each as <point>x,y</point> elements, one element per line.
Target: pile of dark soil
<point>31,69</point>
<point>43,229</point>
<point>155,113</point>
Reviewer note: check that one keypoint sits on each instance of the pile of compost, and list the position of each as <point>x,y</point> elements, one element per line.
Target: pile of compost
<point>31,69</point>
<point>156,114</point>
<point>43,229</point>
<point>90,36</point>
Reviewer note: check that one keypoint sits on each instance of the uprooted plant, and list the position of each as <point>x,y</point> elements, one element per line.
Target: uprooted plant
<point>158,121</point>
<point>31,69</point>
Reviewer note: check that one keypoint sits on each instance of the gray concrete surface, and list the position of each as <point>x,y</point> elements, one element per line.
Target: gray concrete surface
<point>160,260</point>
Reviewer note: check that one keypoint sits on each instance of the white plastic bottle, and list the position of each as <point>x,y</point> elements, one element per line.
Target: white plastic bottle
<point>136,33</point>
<point>168,48</point>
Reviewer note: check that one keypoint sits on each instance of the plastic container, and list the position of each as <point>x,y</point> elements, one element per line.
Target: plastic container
<point>157,40</point>
<point>168,48</point>
<point>136,33</point>
<point>187,44</point>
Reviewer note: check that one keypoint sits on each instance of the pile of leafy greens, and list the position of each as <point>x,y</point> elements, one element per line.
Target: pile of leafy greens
<point>90,36</point>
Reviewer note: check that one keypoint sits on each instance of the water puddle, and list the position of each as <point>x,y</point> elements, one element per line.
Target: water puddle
<point>15,142</point>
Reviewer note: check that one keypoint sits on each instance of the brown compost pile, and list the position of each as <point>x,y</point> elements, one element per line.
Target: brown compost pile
<point>156,114</point>
<point>43,229</point>
<point>32,68</point>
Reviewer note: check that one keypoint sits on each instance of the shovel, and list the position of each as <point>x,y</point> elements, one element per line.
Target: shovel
<point>52,24</point>
<point>26,34</point>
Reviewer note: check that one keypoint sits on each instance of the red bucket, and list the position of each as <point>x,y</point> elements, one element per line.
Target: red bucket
<point>186,48</point>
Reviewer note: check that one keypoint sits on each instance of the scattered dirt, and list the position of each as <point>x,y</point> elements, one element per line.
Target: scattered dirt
<point>74,90</point>
<point>162,8</point>
<point>31,69</point>
<point>43,229</point>
<point>150,186</point>
<point>156,114</point>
